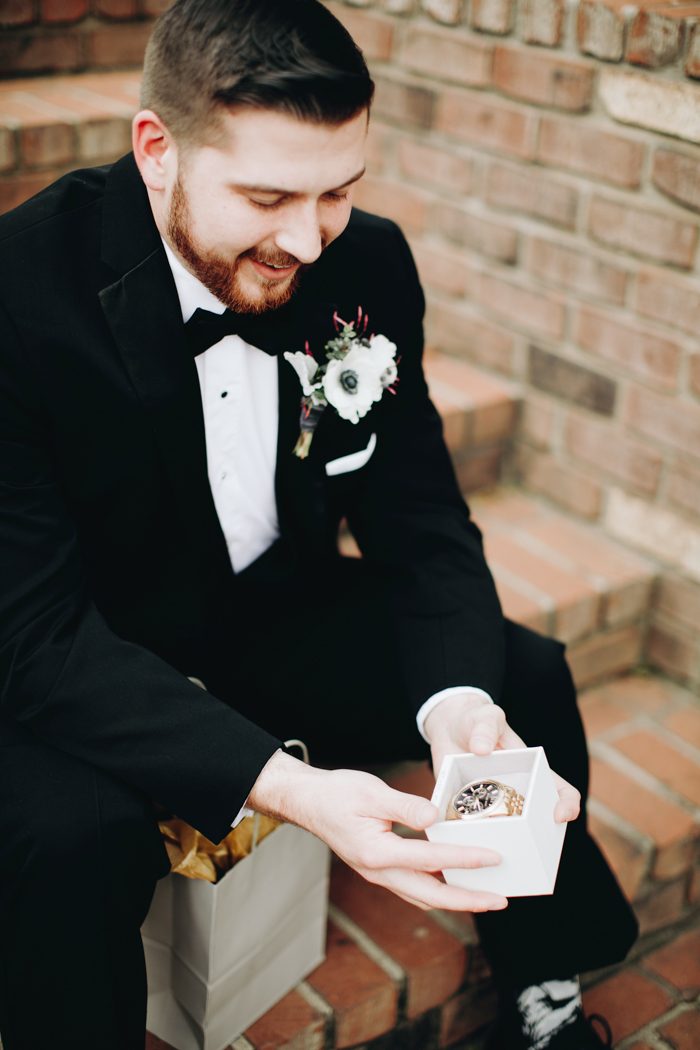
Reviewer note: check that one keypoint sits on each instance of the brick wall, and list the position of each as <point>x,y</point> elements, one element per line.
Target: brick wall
<point>543,158</point>
<point>68,36</point>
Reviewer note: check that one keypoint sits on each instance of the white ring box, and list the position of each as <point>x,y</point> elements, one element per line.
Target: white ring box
<point>530,845</point>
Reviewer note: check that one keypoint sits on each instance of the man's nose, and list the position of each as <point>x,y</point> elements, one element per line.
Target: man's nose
<point>300,235</point>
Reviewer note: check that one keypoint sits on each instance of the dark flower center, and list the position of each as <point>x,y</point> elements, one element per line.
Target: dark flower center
<point>349,381</point>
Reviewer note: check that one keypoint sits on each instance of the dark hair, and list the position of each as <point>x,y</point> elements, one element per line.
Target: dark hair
<point>293,56</point>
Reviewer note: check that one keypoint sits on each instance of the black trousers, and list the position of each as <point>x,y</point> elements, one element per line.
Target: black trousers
<point>80,852</point>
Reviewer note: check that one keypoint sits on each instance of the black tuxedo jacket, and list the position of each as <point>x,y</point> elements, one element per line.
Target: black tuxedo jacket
<point>116,578</point>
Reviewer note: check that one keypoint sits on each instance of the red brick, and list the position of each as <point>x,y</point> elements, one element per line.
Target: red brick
<point>154,7</point>
<point>116,8</point>
<point>441,53</point>
<point>543,198</point>
<point>8,152</point>
<point>591,151</point>
<point>466,1013</point>
<point>548,81</point>
<point>662,821</point>
<point>17,12</point>
<point>640,694</point>
<point>581,272</point>
<point>627,858</point>
<point>42,147</point>
<point>490,403</point>
<point>103,140</point>
<point>492,16</point>
<point>492,239</point>
<point>478,467</point>
<point>662,907</point>
<point>64,10</point>
<point>652,234</point>
<point>403,204</point>
<point>439,168</point>
<point>668,299</point>
<point>407,104</point>
<point>673,861</point>
<point>667,419</point>
<point>606,654</point>
<point>601,28</point>
<point>444,269</point>
<point>536,612</point>
<point>674,650</point>
<point>537,422</point>
<point>485,122</point>
<point>51,52</point>
<point>380,147</point>
<point>543,22</point>
<point>470,337</point>
<point>605,448</point>
<point>535,312</point>
<point>364,999</point>
<point>576,600</point>
<point>569,380</point>
<point>692,62</point>
<point>685,723</point>
<point>667,763</point>
<point>683,486</point>
<point>569,488</point>
<point>373,33</point>
<point>154,1043</point>
<point>679,963</point>
<point>15,189</point>
<point>635,350</point>
<point>678,598</point>
<point>118,45</point>
<point>683,1031</point>
<point>290,1024</point>
<point>628,1001</point>
<point>676,175</point>
<point>433,960</point>
<point>653,39</point>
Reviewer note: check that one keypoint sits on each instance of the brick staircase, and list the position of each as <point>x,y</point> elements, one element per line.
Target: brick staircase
<point>396,977</point>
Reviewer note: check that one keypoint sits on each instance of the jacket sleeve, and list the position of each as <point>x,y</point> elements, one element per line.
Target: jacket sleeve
<point>412,522</point>
<point>67,678</point>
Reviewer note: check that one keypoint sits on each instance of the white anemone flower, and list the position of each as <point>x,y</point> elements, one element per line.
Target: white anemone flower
<point>353,384</point>
<point>305,367</point>
<point>384,353</point>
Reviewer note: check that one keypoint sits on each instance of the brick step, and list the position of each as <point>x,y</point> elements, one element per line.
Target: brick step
<point>396,977</point>
<point>564,579</point>
<point>50,125</point>
<point>479,413</point>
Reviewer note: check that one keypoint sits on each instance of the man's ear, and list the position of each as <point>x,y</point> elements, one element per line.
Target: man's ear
<point>154,150</point>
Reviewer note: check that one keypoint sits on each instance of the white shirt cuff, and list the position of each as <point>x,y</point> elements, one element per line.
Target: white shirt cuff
<point>432,702</point>
<point>244,811</point>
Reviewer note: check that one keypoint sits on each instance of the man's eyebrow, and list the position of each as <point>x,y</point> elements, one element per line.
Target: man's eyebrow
<point>248,188</point>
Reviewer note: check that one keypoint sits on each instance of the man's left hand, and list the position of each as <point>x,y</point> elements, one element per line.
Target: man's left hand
<point>465,723</point>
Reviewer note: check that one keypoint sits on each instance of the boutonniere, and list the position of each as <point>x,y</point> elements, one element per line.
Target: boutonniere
<point>357,370</point>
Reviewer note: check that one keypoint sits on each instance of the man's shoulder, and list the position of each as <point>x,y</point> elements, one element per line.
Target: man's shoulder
<point>51,207</point>
<point>367,230</point>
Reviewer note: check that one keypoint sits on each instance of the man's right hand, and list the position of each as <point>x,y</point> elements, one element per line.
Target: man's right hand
<point>354,812</point>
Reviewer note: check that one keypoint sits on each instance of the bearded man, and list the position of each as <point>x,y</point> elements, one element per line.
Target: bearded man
<point>155,527</point>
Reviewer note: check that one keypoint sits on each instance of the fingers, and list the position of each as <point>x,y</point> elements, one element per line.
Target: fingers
<point>569,805</point>
<point>413,811</point>
<point>430,856</point>
<point>425,891</point>
<point>490,730</point>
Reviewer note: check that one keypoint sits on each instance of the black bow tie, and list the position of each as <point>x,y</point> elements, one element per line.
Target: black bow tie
<point>205,328</point>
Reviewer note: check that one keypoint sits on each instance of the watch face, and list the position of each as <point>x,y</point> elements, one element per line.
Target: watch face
<point>477,797</point>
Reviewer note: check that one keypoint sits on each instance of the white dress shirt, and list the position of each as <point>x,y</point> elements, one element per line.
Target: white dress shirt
<point>238,384</point>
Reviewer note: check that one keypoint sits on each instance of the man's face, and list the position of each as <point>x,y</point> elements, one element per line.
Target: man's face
<point>247,214</point>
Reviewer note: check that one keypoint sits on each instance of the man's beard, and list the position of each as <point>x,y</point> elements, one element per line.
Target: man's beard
<point>221,277</point>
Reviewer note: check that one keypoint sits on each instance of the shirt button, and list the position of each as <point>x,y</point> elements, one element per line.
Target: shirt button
<point>224,475</point>
<point>224,393</point>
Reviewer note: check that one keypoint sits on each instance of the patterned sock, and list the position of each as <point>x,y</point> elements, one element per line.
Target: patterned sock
<point>548,1007</point>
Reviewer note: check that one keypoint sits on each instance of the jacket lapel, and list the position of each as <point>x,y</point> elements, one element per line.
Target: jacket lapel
<point>143,312</point>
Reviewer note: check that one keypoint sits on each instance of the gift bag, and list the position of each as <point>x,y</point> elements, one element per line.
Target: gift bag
<point>219,955</point>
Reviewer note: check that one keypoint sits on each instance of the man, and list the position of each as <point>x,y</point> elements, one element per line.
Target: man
<point>155,526</point>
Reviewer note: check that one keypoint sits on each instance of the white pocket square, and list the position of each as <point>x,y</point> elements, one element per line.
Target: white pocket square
<point>353,461</point>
